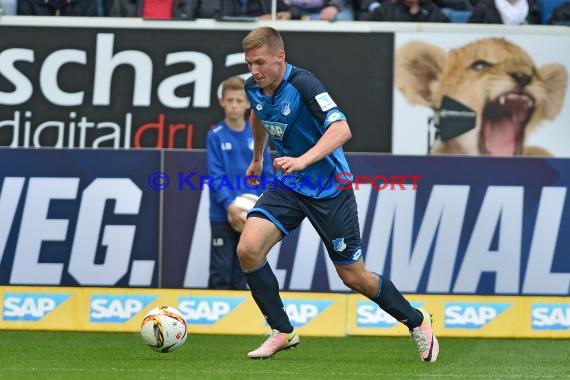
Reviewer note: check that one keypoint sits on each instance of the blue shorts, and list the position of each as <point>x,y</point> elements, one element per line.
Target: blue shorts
<point>334,219</point>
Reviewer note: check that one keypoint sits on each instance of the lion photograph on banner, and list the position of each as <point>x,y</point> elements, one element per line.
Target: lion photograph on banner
<point>487,96</point>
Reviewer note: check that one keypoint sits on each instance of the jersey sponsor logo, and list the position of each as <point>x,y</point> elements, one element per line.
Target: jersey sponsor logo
<point>369,314</point>
<point>276,130</point>
<point>117,308</point>
<point>30,307</point>
<point>301,312</point>
<point>226,146</point>
<point>339,244</point>
<point>472,315</point>
<point>207,310</point>
<point>550,316</point>
<point>325,101</point>
<point>334,116</point>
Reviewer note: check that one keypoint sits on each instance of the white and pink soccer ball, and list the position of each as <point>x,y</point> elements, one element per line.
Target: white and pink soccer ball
<point>164,329</point>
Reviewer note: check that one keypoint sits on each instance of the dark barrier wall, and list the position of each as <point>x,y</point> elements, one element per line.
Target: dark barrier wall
<point>471,226</point>
<point>124,88</point>
<point>71,217</point>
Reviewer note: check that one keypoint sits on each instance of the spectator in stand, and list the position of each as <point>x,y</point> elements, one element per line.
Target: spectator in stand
<point>126,8</point>
<point>167,9</point>
<point>57,8</point>
<point>325,10</point>
<point>363,8</point>
<point>455,7</point>
<point>104,7</point>
<point>8,7</point>
<point>408,11</point>
<point>508,12</point>
<point>255,8</point>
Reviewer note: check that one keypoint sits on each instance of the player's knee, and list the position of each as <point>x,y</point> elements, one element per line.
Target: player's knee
<point>246,252</point>
<point>242,250</point>
<point>352,281</point>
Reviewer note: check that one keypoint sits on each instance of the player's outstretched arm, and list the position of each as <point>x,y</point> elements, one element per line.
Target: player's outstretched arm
<point>259,138</point>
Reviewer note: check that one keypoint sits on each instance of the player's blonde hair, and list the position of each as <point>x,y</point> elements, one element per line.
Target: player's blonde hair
<point>263,36</point>
<point>232,84</point>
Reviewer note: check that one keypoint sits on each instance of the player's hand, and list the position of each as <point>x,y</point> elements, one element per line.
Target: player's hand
<point>236,217</point>
<point>288,165</point>
<point>254,170</point>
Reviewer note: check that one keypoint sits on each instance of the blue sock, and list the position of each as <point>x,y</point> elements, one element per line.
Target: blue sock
<point>393,303</point>
<point>265,291</point>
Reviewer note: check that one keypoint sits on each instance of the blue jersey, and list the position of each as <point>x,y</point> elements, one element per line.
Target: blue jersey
<point>229,154</point>
<point>296,117</point>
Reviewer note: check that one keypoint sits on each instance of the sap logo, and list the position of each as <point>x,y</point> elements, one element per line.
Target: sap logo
<point>472,315</point>
<point>551,316</point>
<point>117,309</point>
<point>301,312</point>
<point>275,130</point>
<point>207,310</point>
<point>30,306</point>
<point>368,314</point>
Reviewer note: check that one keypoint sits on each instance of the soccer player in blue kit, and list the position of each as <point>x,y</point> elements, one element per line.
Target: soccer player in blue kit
<point>292,107</point>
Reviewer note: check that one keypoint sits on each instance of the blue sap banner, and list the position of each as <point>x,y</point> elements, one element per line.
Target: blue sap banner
<point>445,225</point>
<point>78,218</point>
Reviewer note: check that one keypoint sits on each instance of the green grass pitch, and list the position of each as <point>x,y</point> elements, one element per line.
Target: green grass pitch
<point>82,355</point>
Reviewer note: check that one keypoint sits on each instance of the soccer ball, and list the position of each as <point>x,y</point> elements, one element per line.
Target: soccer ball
<point>245,202</point>
<point>164,329</point>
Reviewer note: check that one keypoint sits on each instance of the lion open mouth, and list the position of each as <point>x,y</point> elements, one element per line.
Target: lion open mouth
<point>504,122</point>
